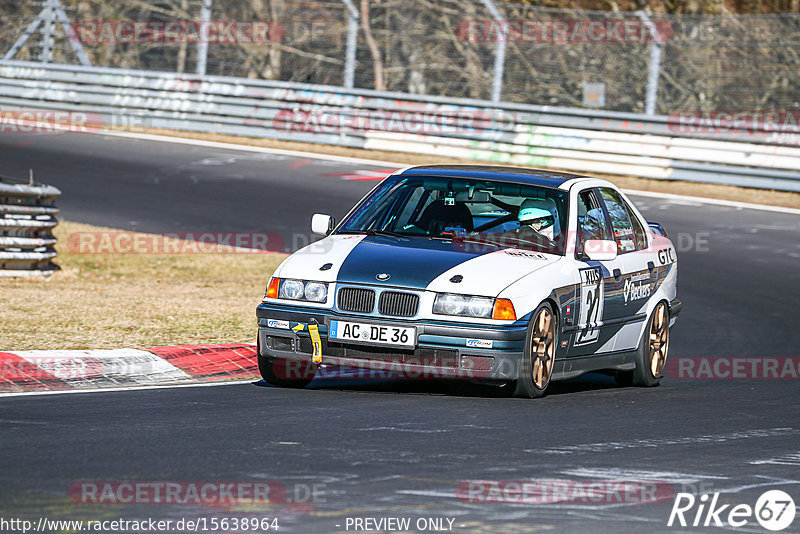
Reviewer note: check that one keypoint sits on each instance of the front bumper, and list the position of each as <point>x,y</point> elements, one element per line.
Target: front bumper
<point>441,350</point>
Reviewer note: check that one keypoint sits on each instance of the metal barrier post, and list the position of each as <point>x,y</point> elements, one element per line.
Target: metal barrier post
<point>499,52</point>
<point>352,39</point>
<point>48,16</point>
<point>202,44</point>
<point>655,65</point>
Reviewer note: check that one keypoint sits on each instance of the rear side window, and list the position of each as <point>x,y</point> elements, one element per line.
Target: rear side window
<point>628,231</point>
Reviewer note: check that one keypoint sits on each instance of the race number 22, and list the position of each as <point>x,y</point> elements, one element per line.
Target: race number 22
<point>591,305</point>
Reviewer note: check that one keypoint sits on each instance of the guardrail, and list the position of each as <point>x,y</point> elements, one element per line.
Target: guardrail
<point>27,219</point>
<point>540,136</point>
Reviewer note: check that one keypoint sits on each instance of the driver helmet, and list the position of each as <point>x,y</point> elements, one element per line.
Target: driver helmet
<point>541,215</point>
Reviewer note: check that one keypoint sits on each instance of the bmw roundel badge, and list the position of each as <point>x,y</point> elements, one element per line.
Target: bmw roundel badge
<point>383,276</point>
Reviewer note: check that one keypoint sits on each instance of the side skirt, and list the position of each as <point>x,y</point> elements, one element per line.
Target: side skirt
<point>572,367</point>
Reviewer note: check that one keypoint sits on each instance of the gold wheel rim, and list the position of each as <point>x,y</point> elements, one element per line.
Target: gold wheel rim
<point>659,340</point>
<point>543,348</point>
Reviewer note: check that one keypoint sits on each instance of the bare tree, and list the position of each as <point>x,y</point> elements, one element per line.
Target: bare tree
<point>377,62</point>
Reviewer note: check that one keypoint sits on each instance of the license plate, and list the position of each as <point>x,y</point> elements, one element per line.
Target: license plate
<point>372,333</point>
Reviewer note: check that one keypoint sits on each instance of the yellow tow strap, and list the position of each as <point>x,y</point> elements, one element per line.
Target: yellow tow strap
<point>316,355</point>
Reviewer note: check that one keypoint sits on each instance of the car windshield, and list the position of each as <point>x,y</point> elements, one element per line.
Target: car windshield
<point>495,213</point>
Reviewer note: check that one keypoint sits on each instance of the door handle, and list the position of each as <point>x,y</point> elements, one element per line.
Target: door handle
<point>651,266</point>
<point>617,274</point>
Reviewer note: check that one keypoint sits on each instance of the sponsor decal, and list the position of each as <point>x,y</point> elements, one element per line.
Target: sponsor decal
<point>637,287</point>
<point>774,510</point>
<point>275,323</point>
<point>591,307</point>
<point>666,256</point>
<point>524,253</point>
<point>480,343</point>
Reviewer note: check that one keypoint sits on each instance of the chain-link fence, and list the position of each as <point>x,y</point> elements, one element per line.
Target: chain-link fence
<point>447,47</point>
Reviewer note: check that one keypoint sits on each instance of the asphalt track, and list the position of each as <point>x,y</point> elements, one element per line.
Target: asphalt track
<point>396,449</point>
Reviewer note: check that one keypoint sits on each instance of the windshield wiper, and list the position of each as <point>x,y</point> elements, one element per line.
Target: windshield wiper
<point>372,232</point>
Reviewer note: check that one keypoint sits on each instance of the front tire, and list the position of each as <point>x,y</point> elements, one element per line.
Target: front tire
<point>651,355</point>
<point>536,368</point>
<point>285,373</point>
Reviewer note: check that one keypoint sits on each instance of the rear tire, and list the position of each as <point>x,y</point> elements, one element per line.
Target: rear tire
<point>536,367</point>
<point>651,356</point>
<point>282,372</point>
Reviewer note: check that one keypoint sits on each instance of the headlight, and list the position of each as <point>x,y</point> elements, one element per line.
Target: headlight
<point>449,304</point>
<point>302,290</point>
<point>292,289</point>
<point>480,307</point>
<point>316,292</point>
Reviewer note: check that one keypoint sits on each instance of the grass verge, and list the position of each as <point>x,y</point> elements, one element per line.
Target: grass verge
<point>134,300</point>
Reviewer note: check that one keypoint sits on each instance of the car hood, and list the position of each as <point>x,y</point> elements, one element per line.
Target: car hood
<point>415,263</point>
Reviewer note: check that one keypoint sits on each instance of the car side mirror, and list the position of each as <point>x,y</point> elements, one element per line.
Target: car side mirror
<point>600,249</point>
<point>322,224</point>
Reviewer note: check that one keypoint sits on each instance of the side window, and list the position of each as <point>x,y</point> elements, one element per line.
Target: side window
<point>638,231</point>
<point>628,231</point>
<point>591,220</point>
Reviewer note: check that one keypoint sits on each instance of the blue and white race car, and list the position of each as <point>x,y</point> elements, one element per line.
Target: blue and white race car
<point>493,274</point>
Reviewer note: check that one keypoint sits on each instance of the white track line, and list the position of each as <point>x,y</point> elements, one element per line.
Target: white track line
<point>703,200</point>
<point>233,382</point>
<point>251,148</point>
<point>364,161</point>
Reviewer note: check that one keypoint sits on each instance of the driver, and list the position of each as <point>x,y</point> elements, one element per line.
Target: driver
<point>539,215</point>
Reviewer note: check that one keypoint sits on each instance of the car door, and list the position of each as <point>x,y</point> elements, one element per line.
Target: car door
<point>598,280</point>
<point>628,294</point>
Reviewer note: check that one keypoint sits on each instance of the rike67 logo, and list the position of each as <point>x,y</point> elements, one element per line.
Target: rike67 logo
<point>774,510</point>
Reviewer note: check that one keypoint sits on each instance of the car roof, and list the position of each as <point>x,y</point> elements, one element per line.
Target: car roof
<point>496,172</point>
